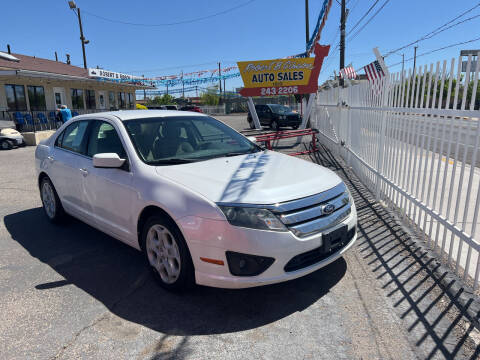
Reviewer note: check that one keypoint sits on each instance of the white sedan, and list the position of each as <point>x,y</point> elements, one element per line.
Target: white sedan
<point>202,202</point>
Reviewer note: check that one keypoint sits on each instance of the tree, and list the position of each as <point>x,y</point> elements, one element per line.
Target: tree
<point>165,99</point>
<point>210,97</point>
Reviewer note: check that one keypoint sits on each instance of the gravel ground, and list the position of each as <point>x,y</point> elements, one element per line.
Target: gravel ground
<point>72,292</point>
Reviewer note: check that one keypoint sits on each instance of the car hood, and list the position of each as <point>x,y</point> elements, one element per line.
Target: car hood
<point>290,113</point>
<point>265,177</point>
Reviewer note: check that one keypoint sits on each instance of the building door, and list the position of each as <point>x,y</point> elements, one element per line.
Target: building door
<point>102,100</point>
<point>59,96</point>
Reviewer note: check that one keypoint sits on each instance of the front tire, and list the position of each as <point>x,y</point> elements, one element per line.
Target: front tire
<point>166,254</point>
<point>274,125</point>
<point>6,145</point>
<point>51,202</point>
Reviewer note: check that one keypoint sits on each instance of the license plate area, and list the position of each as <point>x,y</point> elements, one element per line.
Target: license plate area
<point>334,240</point>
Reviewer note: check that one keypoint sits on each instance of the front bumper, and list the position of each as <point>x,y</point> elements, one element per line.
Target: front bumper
<point>212,238</point>
<point>290,122</point>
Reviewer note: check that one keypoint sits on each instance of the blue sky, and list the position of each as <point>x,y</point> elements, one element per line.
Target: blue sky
<point>262,29</point>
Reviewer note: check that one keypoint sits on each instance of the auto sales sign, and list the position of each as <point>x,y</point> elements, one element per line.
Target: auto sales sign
<point>282,76</point>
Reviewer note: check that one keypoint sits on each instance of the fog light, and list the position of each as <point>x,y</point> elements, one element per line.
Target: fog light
<point>247,265</point>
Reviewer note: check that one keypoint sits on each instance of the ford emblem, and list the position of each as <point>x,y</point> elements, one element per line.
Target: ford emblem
<point>328,209</point>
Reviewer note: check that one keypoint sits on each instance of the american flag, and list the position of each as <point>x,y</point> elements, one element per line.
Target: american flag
<point>348,72</point>
<point>374,71</point>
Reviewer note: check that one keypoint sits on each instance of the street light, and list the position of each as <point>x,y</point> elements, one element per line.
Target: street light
<point>84,41</point>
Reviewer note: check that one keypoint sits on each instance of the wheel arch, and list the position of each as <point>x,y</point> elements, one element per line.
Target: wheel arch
<point>147,212</point>
<point>42,176</point>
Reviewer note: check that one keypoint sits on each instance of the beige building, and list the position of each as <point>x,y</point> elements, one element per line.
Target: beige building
<point>31,89</point>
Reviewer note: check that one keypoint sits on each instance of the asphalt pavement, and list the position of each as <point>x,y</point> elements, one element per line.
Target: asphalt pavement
<point>71,291</point>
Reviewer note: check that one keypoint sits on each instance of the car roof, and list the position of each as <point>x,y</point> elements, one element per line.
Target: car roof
<point>140,114</point>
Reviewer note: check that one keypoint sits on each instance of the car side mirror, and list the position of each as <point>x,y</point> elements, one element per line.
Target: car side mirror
<point>107,160</point>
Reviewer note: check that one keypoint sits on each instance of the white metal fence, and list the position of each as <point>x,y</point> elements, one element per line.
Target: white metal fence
<point>414,140</point>
<point>214,110</point>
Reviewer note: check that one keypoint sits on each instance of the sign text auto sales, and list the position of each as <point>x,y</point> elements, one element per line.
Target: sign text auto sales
<point>277,71</point>
<point>282,76</point>
<point>280,72</point>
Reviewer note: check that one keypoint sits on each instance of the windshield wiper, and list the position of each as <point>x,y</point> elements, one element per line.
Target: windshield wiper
<point>236,153</point>
<point>173,161</point>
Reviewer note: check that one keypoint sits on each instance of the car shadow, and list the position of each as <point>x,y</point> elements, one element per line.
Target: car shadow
<point>115,274</point>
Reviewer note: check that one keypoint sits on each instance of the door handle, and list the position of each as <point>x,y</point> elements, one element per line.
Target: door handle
<point>50,158</point>
<point>84,171</point>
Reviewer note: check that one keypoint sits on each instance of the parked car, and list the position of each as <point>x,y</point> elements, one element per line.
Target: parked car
<point>162,107</point>
<point>275,116</point>
<point>193,108</point>
<point>10,138</point>
<point>202,202</point>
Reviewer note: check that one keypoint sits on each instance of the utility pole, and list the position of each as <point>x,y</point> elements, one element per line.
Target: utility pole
<point>342,41</point>
<point>307,25</point>
<point>74,7</point>
<point>82,38</point>
<point>415,56</point>
<point>403,64</point>
<point>220,79</point>
<point>183,87</point>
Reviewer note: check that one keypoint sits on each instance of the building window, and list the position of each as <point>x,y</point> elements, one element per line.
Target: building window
<point>36,98</point>
<point>16,97</point>
<point>130,101</point>
<point>121,100</point>
<point>90,99</point>
<point>111,100</point>
<point>77,99</point>
<point>58,99</point>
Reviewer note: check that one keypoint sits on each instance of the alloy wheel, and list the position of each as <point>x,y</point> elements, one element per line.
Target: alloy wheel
<point>163,254</point>
<point>48,199</point>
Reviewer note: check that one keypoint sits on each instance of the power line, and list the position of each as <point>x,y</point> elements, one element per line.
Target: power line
<point>181,66</point>
<point>173,23</point>
<point>438,49</point>
<point>363,17</point>
<point>439,29</point>
<point>368,21</point>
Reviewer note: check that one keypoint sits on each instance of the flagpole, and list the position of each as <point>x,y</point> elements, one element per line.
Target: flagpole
<point>342,41</point>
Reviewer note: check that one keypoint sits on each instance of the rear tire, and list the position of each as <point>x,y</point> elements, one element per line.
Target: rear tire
<point>166,254</point>
<point>252,125</point>
<point>6,145</point>
<point>51,202</point>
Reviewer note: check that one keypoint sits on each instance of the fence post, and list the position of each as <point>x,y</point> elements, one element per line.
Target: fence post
<point>308,110</point>
<point>253,112</point>
<point>348,138</point>
<point>383,103</point>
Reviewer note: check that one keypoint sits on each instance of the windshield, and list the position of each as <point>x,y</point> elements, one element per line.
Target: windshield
<point>280,109</point>
<point>181,139</point>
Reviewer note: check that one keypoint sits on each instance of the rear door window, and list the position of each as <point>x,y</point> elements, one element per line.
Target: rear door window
<point>73,137</point>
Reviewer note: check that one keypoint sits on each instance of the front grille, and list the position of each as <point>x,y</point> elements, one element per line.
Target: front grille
<point>293,118</point>
<point>313,214</point>
<point>316,255</point>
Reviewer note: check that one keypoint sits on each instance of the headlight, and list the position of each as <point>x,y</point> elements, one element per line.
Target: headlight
<point>282,117</point>
<point>252,218</point>
<point>350,197</point>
